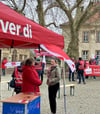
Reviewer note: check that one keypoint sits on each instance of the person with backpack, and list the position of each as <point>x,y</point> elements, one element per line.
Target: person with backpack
<point>17,76</point>
<point>80,69</point>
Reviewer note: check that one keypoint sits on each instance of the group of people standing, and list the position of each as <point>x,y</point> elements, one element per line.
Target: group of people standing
<point>80,66</point>
<point>28,79</point>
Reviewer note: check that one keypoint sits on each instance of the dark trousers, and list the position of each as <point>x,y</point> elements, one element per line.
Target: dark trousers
<point>52,90</point>
<point>80,75</point>
<point>71,74</point>
<point>3,72</point>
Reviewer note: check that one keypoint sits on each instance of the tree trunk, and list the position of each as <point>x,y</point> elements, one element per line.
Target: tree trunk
<point>73,47</point>
<point>40,12</point>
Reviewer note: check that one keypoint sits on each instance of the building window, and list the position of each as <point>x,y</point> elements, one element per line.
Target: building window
<point>85,37</point>
<point>14,55</point>
<point>98,36</point>
<point>25,56</point>
<point>85,55</point>
<point>98,54</point>
<point>20,57</point>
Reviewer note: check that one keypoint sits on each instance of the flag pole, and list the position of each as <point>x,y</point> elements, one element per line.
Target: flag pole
<point>64,89</point>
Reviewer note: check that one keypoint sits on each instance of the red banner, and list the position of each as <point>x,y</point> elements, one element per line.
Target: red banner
<point>92,70</point>
<point>41,53</point>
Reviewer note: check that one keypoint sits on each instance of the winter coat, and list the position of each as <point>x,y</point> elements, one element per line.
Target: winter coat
<point>53,75</point>
<point>31,80</point>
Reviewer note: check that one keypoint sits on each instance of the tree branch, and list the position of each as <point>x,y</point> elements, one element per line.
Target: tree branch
<point>13,1</point>
<point>23,6</point>
<point>84,15</point>
<point>76,5</point>
<point>67,12</point>
<point>53,23</point>
<point>52,5</point>
<point>91,13</point>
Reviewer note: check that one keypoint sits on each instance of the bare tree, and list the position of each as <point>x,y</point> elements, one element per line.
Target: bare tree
<point>17,5</point>
<point>81,16</point>
<point>42,10</point>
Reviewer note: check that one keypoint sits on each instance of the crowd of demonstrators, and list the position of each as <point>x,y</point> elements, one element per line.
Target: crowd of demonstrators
<point>53,78</point>
<point>4,61</point>
<point>80,66</point>
<point>71,74</point>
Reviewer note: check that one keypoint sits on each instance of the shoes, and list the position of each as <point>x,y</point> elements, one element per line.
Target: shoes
<point>84,83</point>
<point>73,80</point>
<point>79,83</point>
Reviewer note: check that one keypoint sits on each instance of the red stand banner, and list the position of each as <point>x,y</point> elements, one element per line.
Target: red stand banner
<point>92,70</point>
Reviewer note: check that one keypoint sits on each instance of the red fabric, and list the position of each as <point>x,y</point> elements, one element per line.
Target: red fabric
<point>18,31</point>
<point>59,53</point>
<point>81,66</point>
<point>92,70</point>
<point>42,53</point>
<point>18,78</point>
<point>38,66</point>
<point>31,80</point>
<point>3,64</point>
<point>93,62</point>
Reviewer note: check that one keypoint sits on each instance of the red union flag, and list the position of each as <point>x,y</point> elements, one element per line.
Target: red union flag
<point>59,53</point>
<point>42,53</point>
<point>92,70</point>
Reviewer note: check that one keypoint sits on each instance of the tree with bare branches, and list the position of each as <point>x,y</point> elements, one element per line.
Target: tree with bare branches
<point>75,22</point>
<point>76,13</point>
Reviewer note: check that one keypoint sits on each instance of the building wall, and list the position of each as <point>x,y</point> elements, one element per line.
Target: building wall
<point>15,54</point>
<point>92,46</point>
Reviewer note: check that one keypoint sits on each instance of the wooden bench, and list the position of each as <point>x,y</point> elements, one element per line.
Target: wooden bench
<point>72,89</point>
<point>8,82</point>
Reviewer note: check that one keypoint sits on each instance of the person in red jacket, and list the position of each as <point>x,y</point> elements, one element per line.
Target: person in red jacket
<point>17,76</point>
<point>4,61</point>
<point>31,81</point>
<point>80,68</point>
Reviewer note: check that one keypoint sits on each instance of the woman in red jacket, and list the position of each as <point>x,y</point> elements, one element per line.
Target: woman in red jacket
<point>30,77</point>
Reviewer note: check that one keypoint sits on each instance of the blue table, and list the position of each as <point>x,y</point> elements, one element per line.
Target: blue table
<point>22,104</point>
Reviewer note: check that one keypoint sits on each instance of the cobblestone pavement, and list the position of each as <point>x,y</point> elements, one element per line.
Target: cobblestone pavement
<point>85,101</point>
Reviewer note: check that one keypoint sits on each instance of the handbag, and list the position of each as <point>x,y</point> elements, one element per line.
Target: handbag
<point>12,83</point>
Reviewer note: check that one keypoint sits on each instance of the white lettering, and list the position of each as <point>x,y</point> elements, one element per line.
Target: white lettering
<point>18,27</point>
<point>12,28</point>
<point>6,26</point>
<point>30,32</point>
<point>26,31</point>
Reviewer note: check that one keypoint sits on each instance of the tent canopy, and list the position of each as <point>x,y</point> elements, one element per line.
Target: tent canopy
<point>18,31</point>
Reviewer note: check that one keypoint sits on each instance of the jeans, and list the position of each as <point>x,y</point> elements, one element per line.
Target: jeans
<point>52,90</point>
<point>39,73</point>
<point>80,75</point>
<point>3,72</point>
<point>71,73</point>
